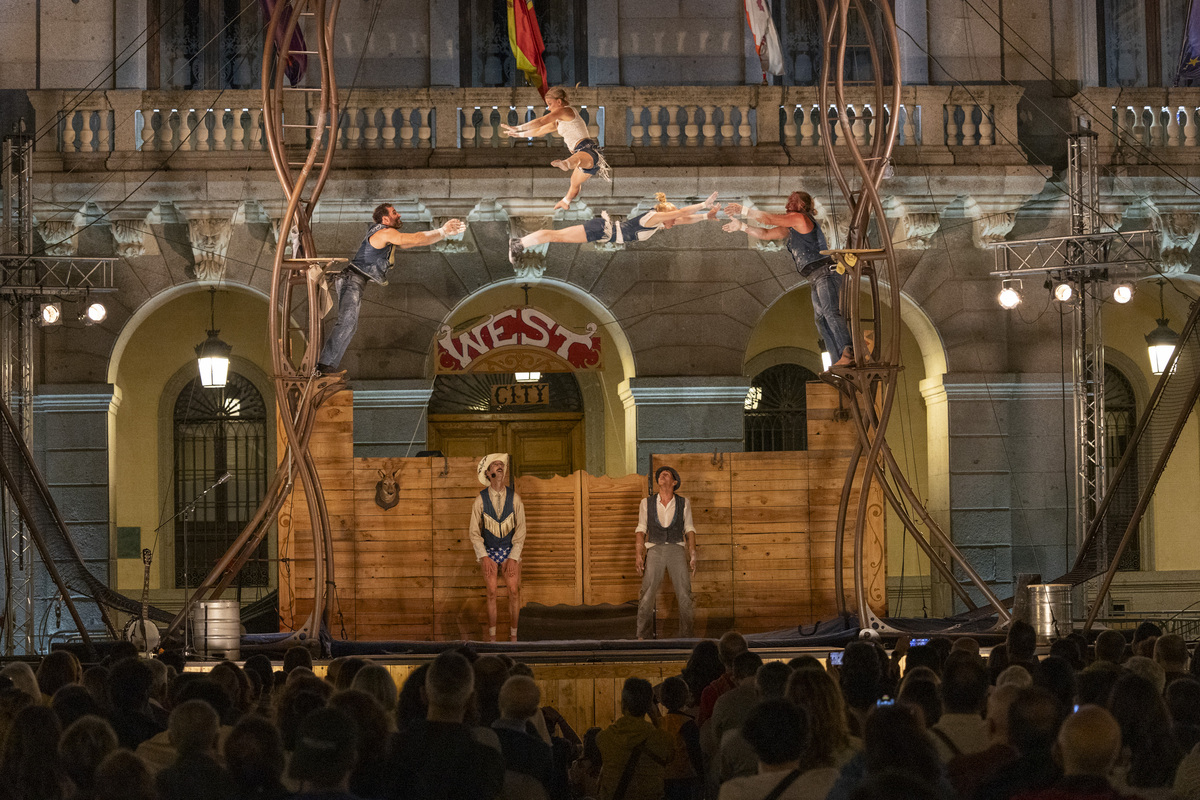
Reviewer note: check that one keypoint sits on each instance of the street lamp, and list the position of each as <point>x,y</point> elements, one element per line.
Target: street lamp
<point>1162,340</point>
<point>212,354</point>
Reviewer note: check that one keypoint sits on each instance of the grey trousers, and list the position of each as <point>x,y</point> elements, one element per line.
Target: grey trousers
<point>671,559</point>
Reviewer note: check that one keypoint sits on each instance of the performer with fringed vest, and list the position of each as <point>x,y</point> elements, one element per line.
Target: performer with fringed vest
<point>498,535</point>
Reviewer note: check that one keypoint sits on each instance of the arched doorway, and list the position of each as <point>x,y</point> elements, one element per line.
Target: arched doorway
<point>776,416</point>
<point>539,423</point>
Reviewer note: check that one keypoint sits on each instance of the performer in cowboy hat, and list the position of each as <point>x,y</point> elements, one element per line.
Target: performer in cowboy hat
<point>666,543</point>
<point>497,533</point>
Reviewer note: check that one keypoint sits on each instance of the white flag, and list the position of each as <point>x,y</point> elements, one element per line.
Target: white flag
<point>766,38</point>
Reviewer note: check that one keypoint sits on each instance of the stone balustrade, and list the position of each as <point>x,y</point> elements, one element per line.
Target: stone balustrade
<point>945,124</point>
<point>1143,125</point>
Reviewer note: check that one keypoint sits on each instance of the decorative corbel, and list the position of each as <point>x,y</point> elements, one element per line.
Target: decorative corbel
<point>993,228</point>
<point>458,243</point>
<point>60,234</point>
<point>915,230</point>
<point>532,263</point>
<point>210,227</point>
<point>1179,231</point>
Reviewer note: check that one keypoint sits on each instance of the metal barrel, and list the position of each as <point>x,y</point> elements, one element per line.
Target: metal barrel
<point>1050,610</point>
<point>217,629</point>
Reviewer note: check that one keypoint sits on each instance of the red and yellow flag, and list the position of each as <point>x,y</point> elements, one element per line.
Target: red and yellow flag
<point>525,38</point>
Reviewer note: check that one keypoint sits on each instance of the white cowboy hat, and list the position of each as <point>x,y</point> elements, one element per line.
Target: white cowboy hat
<point>486,462</point>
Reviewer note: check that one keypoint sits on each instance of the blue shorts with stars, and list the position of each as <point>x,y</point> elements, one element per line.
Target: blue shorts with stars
<point>500,553</point>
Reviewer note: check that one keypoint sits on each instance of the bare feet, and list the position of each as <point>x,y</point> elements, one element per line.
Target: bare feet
<point>562,205</point>
<point>561,164</point>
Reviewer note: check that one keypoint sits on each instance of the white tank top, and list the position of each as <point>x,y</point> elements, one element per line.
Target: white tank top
<point>573,130</point>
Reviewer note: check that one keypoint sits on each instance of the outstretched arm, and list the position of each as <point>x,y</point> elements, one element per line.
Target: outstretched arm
<point>765,234</point>
<point>407,240</point>
<point>686,215</point>
<point>792,220</point>
<point>547,123</point>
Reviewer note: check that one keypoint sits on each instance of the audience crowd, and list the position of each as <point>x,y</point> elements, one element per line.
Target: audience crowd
<point>1114,718</point>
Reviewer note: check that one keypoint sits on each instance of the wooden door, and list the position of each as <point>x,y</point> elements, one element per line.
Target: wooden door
<point>542,445</point>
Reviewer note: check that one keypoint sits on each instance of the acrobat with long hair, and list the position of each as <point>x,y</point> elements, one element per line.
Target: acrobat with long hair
<point>586,159</point>
<point>635,229</point>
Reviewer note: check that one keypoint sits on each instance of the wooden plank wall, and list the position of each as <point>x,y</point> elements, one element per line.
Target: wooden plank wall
<point>765,528</point>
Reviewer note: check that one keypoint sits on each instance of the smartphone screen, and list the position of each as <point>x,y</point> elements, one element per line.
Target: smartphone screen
<point>835,658</point>
<point>918,642</point>
<point>885,701</point>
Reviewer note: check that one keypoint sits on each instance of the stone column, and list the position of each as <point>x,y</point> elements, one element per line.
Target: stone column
<point>389,418</point>
<point>683,415</point>
<point>70,433</point>
<point>1010,510</point>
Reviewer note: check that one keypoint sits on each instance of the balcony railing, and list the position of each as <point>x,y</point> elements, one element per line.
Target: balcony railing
<point>937,124</point>
<point>1144,125</point>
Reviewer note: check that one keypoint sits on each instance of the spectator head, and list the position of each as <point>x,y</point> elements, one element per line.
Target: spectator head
<point>1021,641</point>
<point>121,650</point>
<point>746,666</point>
<point>210,692</point>
<point>1033,721</point>
<point>997,660</point>
<point>1110,646</point>
<point>1146,630</point>
<point>334,667</point>
<point>235,684</point>
<point>703,667</point>
<point>674,694</point>
<point>260,665</point>
<point>84,744</point>
<point>519,698</point>
<point>162,679</point>
<point>964,684</point>
<point>412,705</point>
<point>1094,685</point>
<point>74,702</point>
<point>129,685</point>
<point>22,677</point>
<point>296,702</point>
<point>174,659</point>
<point>1183,701</point>
<point>1170,651</point>
<point>817,694</point>
<point>350,668</point>
<point>777,732</point>
<point>254,756</point>
<point>192,727</point>
<point>860,674</point>
<point>965,644</point>
<point>923,696</point>
<point>1067,650</point>
<point>95,680</point>
<point>490,674</point>
<point>375,680</point>
<point>296,657</point>
<point>371,724</point>
<point>60,668</point>
<point>922,656</point>
<point>731,645</point>
<point>1015,675</point>
<point>772,679</point>
<point>449,682</point>
<point>893,739</point>
<point>805,662</point>
<point>123,776</point>
<point>998,704</point>
<point>1058,677</point>
<point>30,759</point>
<point>1146,668</point>
<point>326,749</point>
<point>637,696</point>
<point>1089,742</point>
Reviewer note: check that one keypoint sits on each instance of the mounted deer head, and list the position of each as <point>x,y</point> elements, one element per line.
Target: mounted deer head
<point>387,490</point>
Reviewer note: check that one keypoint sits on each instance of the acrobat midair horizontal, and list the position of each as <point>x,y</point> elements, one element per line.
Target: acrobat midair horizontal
<point>586,159</point>
<point>638,228</point>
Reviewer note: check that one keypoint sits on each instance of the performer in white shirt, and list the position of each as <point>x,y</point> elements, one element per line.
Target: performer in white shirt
<point>497,533</point>
<point>666,543</point>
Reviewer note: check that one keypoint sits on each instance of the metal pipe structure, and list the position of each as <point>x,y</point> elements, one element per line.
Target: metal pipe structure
<point>869,385</point>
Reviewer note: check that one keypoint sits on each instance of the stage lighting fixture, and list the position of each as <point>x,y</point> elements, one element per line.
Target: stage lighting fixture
<point>826,359</point>
<point>1161,341</point>
<point>51,313</point>
<point>212,354</point>
<point>94,314</point>
<point>1123,292</point>
<point>528,377</point>
<point>1010,295</point>
<point>1063,292</point>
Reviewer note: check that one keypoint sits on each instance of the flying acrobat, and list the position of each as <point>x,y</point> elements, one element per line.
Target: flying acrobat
<point>586,159</point>
<point>635,229</point>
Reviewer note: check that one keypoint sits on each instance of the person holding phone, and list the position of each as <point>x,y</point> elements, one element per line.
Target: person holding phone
<point>665,544</point>
<point>497,533</point>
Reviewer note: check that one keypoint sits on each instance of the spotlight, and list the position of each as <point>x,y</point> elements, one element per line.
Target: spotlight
<point>1010,296</point>
<point>528,377</point>
<point>94,314</point>
<point>1123,292</point>
<point>826,359</point>
<point>1063,292</point>
<point>51,313</point>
